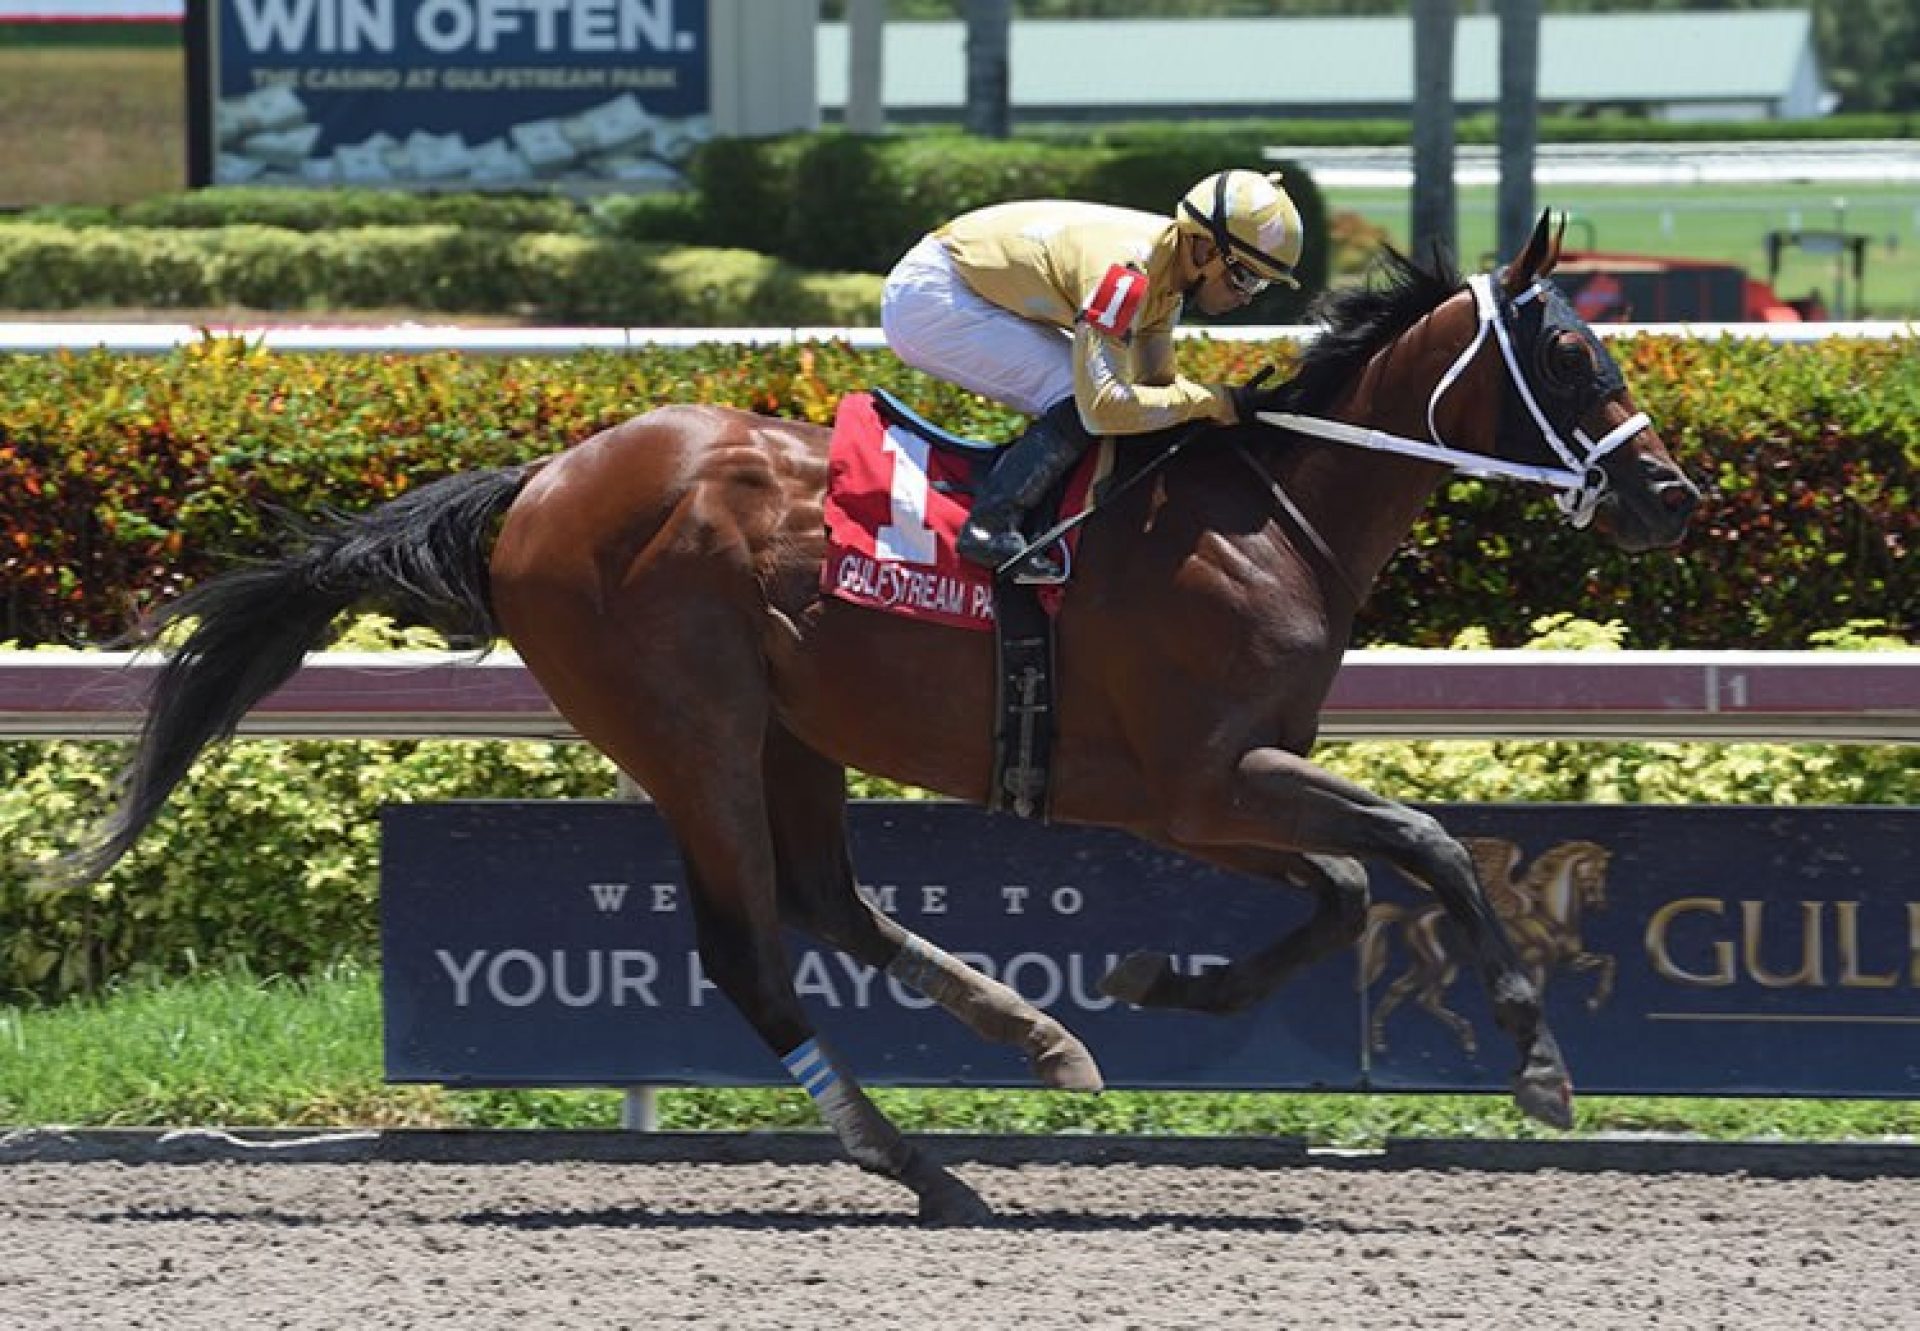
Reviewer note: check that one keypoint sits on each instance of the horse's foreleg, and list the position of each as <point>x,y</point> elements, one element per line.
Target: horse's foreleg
<point>1603,984</point>
<point>1278,799</point>
<point>806,796</point>
<point>1339,885</point>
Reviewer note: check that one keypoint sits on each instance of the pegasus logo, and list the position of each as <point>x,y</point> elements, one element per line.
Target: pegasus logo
<point>1541,910</point>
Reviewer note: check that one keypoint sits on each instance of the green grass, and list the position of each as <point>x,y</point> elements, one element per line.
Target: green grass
<point>67,35</point>
<point>92,124</point>
<point>232,1050</point>
<point>1721,222</point>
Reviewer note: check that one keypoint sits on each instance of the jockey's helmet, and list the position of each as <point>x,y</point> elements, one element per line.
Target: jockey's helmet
<point>1249,219</point>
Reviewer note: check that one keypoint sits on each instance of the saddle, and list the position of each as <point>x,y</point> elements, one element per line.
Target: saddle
<point>898,490</point>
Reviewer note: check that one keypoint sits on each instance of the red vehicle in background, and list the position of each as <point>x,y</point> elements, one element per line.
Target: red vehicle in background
<point>1635,288</point>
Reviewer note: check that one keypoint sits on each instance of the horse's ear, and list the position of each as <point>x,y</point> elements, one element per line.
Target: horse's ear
<point>1536,259</point>
<point>1553,249</point>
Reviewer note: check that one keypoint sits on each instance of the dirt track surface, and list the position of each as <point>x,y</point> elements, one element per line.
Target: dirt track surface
<point>385,1244</point>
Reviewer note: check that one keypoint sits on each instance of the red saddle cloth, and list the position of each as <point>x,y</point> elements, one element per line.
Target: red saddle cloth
<point>895,504</point>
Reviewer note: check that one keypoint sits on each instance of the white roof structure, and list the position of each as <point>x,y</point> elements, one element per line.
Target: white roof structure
<point>87,11</point>
<point>1757,64</point>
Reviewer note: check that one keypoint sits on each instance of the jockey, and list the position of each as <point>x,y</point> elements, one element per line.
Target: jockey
<point>1065,311</point>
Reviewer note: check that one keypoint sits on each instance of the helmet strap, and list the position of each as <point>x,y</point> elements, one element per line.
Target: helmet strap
<point>1222,238</point>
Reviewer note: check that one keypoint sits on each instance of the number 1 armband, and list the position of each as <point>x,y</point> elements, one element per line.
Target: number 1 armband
<point>1116,301</point>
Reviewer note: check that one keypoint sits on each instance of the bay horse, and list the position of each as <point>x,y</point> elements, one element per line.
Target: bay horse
<point>662,581</point>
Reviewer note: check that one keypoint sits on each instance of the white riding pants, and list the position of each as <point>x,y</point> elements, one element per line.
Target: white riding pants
<point>936,323</point>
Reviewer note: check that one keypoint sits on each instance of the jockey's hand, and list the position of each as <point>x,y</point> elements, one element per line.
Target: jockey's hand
<point>1252,397</point>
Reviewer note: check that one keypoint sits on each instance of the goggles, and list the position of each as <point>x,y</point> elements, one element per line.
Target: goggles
<point>1242,278</point>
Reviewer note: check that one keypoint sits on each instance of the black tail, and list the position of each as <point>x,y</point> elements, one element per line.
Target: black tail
<point>422,556</point>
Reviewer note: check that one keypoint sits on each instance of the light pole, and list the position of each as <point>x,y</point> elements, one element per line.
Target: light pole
<point>1839,258</point>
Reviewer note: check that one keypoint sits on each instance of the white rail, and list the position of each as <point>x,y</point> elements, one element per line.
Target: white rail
<point>160,338</point>
<point>1781,696</point>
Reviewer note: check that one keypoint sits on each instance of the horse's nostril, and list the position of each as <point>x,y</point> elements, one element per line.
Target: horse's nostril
<point>1678,496</point>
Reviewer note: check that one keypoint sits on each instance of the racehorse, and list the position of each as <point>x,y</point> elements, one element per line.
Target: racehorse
<point>662,581</point>
<point>1540,911</point>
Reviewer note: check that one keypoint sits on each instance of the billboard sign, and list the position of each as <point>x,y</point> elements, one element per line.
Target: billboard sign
<point>1680,949</point>
<point>576,94</point>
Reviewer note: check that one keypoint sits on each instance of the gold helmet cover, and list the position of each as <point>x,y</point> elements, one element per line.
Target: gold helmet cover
<point>1249,219</point>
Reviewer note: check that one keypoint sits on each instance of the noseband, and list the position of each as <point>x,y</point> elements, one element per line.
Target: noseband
<point>1581,481</point>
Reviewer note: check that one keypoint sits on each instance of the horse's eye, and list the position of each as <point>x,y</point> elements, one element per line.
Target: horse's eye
<point>1568,358</point>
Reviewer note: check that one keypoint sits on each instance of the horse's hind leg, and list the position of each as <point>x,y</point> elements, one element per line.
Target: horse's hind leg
<point>807,800</point>
<point>1339,886</point>
<point>697,751</point>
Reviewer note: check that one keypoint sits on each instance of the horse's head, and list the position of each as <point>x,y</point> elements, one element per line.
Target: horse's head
<point>1567,407</point>
<point>1514,384</point>
<point>1590,873</point>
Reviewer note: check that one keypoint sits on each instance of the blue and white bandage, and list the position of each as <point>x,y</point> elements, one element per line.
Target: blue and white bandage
<point>810,1066</point>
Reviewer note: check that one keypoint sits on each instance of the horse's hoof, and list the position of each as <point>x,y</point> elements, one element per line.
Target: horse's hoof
<point>1066,1065</point>
<point>1135,977</point>
<point>952,1204</point>
<point>1543,1090</point>
<point>1548,1103</point>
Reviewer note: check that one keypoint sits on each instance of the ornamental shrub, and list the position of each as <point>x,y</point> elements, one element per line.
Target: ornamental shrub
<point>268,853</point>
<point>556,278</point>
<point>331,209</point>
<point>858,202</point>
<point>123,478</point>
<point>830,201</point>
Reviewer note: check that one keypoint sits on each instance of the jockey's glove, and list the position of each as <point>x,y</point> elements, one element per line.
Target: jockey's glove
<point>1253,397</point>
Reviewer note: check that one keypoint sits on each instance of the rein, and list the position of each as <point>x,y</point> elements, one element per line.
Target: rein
<point>1300,520</point>
<point>1108,492</point>
<point>1580,479</point>
<point>1160,460</point>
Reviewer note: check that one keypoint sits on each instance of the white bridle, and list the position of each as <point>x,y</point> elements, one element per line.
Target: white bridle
<point>1579,479</point>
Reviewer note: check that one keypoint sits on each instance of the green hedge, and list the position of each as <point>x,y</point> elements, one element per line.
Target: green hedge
<point>830,202</point>
<point>268,853</point>
<point>297,209</point>
<point>560,278</point>
<point>122,477</point>
<point>845,201</point>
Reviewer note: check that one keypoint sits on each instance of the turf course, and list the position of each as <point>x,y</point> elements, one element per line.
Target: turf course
<point>230,1049</point>
<point>1721,222</point>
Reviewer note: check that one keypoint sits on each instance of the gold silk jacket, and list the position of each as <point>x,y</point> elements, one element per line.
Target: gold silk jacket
<point>1106,274</point>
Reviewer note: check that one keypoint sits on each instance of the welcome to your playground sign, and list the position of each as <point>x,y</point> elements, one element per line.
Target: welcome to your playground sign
<point>1682,950</point>
<point>575,94</point>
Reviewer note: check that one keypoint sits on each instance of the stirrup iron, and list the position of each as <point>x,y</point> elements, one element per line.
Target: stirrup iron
<point>1038,565</point>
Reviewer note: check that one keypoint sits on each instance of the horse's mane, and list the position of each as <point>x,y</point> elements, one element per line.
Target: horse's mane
<point>1358,321</point>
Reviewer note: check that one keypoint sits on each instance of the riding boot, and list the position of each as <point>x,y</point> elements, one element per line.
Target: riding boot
<point>1033,463</point>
